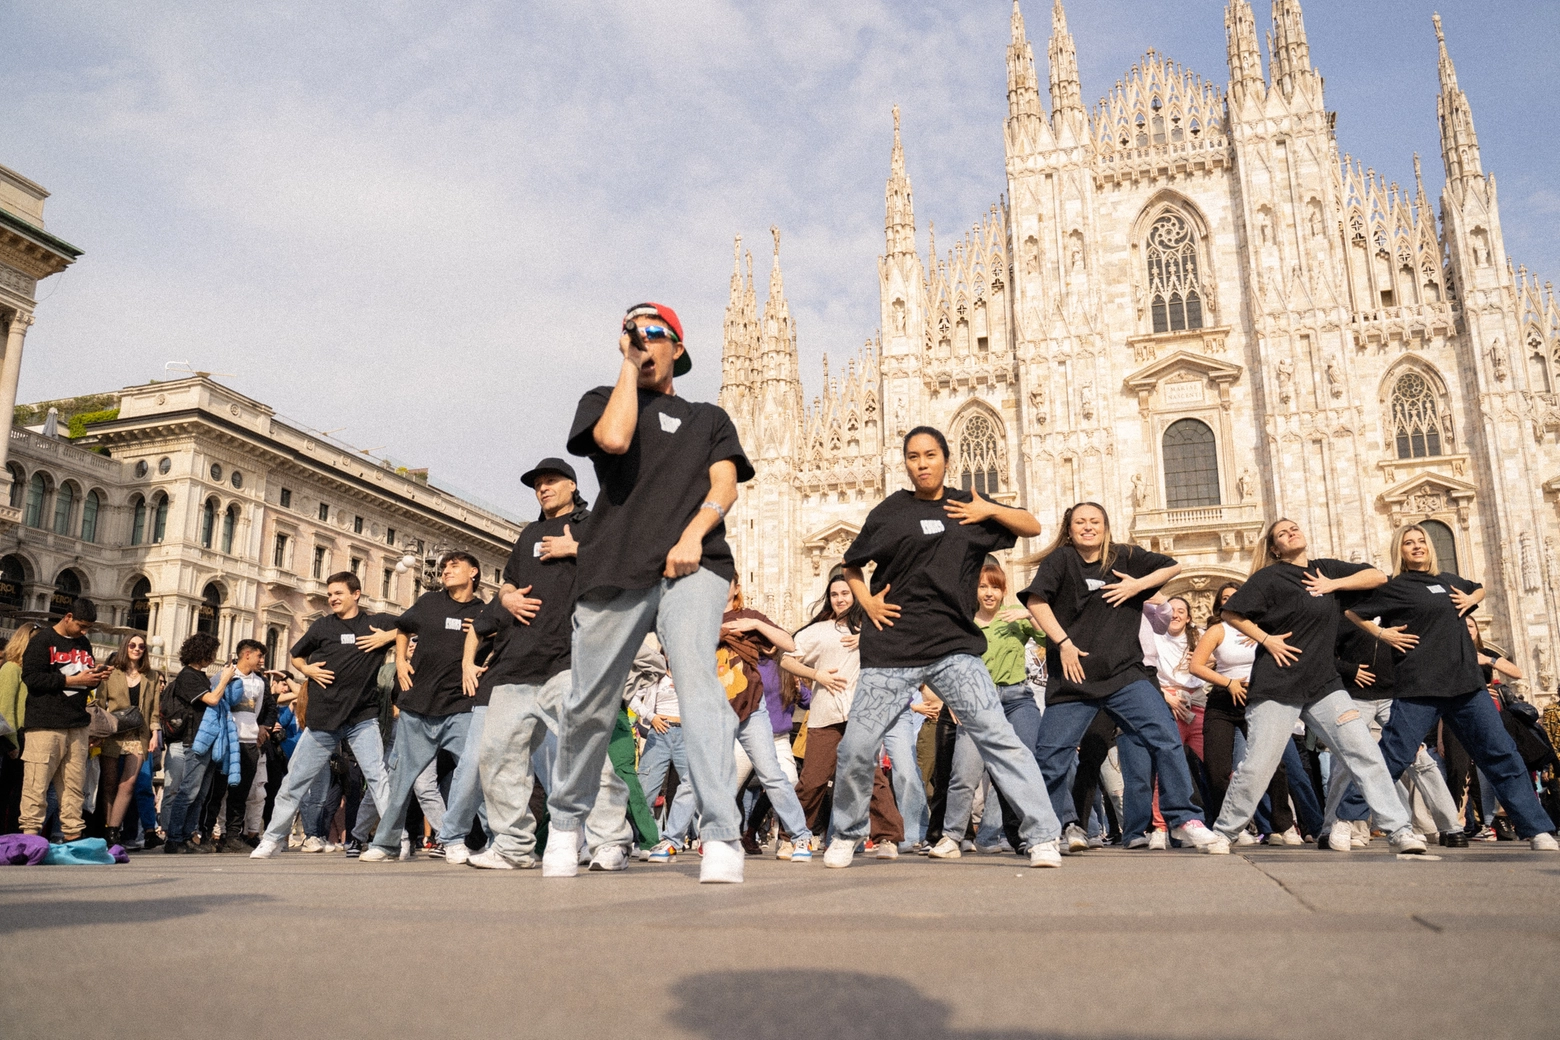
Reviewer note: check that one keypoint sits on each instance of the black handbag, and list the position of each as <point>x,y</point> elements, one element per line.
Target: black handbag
<point>129,721</point>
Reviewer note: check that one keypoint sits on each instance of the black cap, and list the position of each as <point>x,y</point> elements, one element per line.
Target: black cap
<point>548,465</point>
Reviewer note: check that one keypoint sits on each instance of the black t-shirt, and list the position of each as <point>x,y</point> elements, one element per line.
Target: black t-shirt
<point>933,563</point>
<point>187,689</point>
<point>1356,647</point>
<point>1445,662</point>
<point>352,695</point>
<point>48,661</point>
<point>1277,600</point>
<point>650,492</point>
<point>1109,635</point>
<point>532,654</point>
<point>438,622</point>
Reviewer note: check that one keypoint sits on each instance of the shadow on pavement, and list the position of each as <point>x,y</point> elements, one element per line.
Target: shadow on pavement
<point>71,913</point>
<point>762,1005</point>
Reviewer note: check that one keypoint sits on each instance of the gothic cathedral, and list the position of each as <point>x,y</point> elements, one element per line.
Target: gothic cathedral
<point>1191,309</point>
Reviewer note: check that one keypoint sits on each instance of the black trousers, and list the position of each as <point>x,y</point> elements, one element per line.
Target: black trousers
<point>1220,721</point>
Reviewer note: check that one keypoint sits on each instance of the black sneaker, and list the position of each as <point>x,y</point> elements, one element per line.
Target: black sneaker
<point>200,846</point>
<point>235,843</point>
<point>175,848</point>
<point>1454,840</point>
<point>153,840</point>
<point>353,848</point>
<point>434,849</point>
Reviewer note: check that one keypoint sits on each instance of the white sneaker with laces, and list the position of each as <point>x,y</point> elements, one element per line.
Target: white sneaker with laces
<point>1158,841</point>
<point>457,853</point>
<point>561,858</point>
<point>312,844</point>
<point>1077,839</point>
<point>267,849</point>
<point>1219,846</point>
<point>1341,837</point>
<point>784,849</point>
<point>947,848</point>
<point>1246,838</point>
<point>373,854</point>
<point>584,853</point>
<point>1407,843</point>
<point>1544,843</point>
<point>722,864</point>
<point>840,852</point>
<point>1046,854</point>
<point>490,859</point>
<point>1289,837</point>
<point>886,850</point>
<point>610,857</point>
<point>1194,833</point>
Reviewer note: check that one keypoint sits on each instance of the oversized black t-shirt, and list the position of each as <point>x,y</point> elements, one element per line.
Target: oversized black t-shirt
<point>532,654</point>
<point>1444,663</point>
<point>933,563</point>
<point>1356,647</point>
<point>1278,601</point>
<point>438,622</point>
<point>650,492</point>
<point>187,688</point>
<point>1107,634</point>
<point>352,695</point>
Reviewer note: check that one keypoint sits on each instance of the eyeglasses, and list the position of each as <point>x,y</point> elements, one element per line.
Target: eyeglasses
<point>658,332</point>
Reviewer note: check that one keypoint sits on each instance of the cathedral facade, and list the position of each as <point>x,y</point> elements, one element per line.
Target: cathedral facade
<point>1189,307</point>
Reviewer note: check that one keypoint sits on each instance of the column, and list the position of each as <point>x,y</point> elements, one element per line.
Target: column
<point>10,372</point>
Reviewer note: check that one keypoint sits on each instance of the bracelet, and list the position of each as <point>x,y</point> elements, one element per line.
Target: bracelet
<point>715,506</point>
<point>1265,638</point>
<point>1064,642</point>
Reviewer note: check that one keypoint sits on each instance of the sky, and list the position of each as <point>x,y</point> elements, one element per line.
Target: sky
<point>420,224</point>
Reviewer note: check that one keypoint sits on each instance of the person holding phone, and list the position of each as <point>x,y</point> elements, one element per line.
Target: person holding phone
<point>60,674</point>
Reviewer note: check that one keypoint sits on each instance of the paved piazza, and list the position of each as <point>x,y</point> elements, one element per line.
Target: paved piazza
<point>1271,944</point>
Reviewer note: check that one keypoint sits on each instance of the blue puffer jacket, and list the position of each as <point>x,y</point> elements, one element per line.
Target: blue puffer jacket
<point>219,735</point>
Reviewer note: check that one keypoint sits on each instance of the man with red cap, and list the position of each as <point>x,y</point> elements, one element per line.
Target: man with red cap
<point>657,560</point>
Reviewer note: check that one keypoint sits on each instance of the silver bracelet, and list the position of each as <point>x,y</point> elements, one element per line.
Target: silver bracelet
<point>715,506</point>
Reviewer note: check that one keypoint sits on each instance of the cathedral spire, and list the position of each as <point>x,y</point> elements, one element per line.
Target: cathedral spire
<point>1240,32</point>
<point>1023,87</point>
<point>1066,92</point>
<point>776,283</point>
<point>1288,47</point>
<point>899,220</point>
<point>1459,143</point>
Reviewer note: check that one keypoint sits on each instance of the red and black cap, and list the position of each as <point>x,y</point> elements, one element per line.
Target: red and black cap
<point>684,363</point>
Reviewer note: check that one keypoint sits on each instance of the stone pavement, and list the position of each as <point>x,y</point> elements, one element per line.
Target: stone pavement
<point>1270,944</point>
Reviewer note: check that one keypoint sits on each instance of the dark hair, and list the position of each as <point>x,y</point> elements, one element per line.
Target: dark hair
<point>346,578</point>
<point>464,557</point>
<point>928,431</point>
<point>83,610</point>
<point>199,650</point>
<point>854,617</point>
<point>121,658</point>
<point>1191,623</point>
<point>249,644</point>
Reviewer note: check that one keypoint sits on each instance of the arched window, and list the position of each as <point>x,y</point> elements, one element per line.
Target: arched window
<point>66,588</point>
<point>229,523</point>
<point>1191,465</point>
<point>1416,417</point>
<point>273,636</point>
<point>206,616</point>
<point>979,454</point>
<point>138,520</point>
<point>18,484</point>
<point>1174,289</point>
<point>1443,543</point>
<point>37,491</point>
<point>89,516</point>
<point>140,615</point>
<point>64,507</point>
<point>12,577</point>
<point>159,518</point>
<point>208,522</point>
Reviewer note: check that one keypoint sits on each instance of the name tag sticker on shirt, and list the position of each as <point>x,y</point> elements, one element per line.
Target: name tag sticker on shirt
<point>348,639</point>
<point>536,550</point>
<point>1441,589</point>
<point>452,624</point>
<point>931,527</point>
<point>1095,584</point>
<point>669,423</point>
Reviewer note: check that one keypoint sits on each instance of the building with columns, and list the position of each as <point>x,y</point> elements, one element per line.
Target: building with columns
<point>1190,307</point>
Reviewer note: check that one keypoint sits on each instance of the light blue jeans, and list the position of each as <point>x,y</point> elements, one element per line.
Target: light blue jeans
<point>962,681</point>
<point>661,750</point>
<point>189,796</point>
<point>464,802</point>
<point>608,630</point>
<point>418,741</point>
<point>519,718</point>
<point>312,755</point>
<point>964,779</point>
<point>909,786</point>
<point>756,734</point>
<point>1342,727</point>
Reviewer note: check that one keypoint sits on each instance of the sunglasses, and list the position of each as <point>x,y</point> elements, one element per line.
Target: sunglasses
<point>658,332</point>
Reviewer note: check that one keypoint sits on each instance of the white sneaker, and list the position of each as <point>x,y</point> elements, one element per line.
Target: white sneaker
<point>1046,854</point>
<point>1159,841</point>
<point>1077,839</point>
<point>947,848</point>
<point>373,854</point>
<point>840,852</point>
<point>492,859</point>
<point>1407,843</point>
<point>722,863</point>
<point>784,849</point>
<point>561,858</point>
<point>610,857</point>
<point>1139,842</point>
<point>1219,846</point>
<point>267,849</point>
<point>1544,843</point>
<point>457,853</point>
<point>967,845</point>
<point>1289,837</point>
<point>886,850</point>
<point>1341,837</point>
<point>406,849</point>
<point>1246,838</point>
<point>583,858</point>
<point>312,844</point>
<point>1195,833</point>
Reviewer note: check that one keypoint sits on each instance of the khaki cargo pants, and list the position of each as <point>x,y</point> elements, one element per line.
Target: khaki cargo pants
<point>57,756</point>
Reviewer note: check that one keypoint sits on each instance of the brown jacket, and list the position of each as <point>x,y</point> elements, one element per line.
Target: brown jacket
<point>114,695</point>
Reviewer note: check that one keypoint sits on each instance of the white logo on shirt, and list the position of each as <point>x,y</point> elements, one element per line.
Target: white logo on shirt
<point>1437,588</point>
<point>348,639</point>
<point>536,550</point>
<point>1094,584</point>
<point>668,423</point>
<point>452,624</point>
<point>931,527</point>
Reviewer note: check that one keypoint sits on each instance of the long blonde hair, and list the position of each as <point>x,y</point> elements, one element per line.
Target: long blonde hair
<point>1397,549</point>
<point>1064,536</point>
<point>17,645</point>
<point>1265,555</point>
